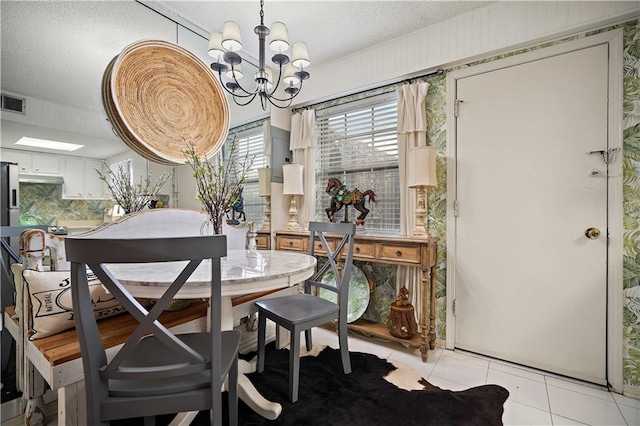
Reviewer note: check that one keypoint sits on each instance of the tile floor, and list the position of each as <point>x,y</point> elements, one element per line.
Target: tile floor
<point>535,398</point>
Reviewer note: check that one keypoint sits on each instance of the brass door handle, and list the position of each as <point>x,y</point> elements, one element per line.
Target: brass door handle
<point>592,233</point>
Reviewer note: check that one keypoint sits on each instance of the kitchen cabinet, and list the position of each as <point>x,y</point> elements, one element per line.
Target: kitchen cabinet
<point>32,162</point>
<point>81,180</point>
<point>49,164</point>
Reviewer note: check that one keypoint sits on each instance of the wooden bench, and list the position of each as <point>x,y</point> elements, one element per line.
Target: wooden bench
<point>55,360</point>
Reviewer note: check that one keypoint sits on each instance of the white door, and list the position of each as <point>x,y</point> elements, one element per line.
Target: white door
<point>530,287</point>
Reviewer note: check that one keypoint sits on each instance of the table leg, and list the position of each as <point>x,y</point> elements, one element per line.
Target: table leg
<point>424,329</point>
<point>432,307</point>
<point>246,391</point>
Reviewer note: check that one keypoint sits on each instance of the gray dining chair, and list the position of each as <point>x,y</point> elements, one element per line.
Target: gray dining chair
<point>302,312</point>
<point>155,372</point>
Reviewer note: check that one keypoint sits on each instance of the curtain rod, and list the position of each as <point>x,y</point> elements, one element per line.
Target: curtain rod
<point>409,80</point>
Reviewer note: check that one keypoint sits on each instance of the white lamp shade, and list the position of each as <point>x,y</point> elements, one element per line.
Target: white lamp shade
<point>292,179</point>
<point>215,46</point>
<point>278,37</point>
<point>264,182</point>
<point>300,55</point>
<point>237,69</point>
<point>269,78</point>
<point>231,38</point>
<point>289,74</point>
<point>422,167</point>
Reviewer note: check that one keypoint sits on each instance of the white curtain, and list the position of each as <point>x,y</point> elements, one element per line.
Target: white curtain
<point>303,145</point>
<point>412,132</point>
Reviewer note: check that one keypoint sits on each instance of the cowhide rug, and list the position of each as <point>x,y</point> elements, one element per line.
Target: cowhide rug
<point>376,393</point>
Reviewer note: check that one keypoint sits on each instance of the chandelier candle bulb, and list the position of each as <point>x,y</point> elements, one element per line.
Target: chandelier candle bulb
<point>269,78</point>
<point>231,38</point>
<point>278,38</point>
<point>237,70</point>
<point>216,51</point>
<point>300,55</point>
<point>290,76</point>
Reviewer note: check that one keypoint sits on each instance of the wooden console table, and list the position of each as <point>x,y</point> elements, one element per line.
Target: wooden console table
<point>417,252</point>
<point>263,240</point>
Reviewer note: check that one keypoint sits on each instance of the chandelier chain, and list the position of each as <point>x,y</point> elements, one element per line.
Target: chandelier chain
<point>261,12</point>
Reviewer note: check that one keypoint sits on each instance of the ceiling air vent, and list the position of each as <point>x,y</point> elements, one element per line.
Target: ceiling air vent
<point>13,104</point>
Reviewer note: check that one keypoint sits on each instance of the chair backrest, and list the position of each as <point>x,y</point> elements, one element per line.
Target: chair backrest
<point>99,252</point>
<point>339,257</point>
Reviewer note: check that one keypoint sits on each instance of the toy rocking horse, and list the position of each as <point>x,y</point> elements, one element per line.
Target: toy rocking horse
<point>340,196</point>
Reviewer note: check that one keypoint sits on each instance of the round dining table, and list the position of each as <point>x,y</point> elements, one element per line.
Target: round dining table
<point>243,272</point>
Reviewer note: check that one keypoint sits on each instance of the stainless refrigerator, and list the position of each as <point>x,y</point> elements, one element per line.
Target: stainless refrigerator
<point>9,216</point>
<point>10,204</point>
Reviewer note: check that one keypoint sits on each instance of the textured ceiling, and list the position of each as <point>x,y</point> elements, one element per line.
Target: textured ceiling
<point>331,29</point>
<point>57,51</point>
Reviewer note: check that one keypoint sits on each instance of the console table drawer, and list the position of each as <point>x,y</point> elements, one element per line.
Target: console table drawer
<point>399,253</point>
<point>362,251</point>
<point>263,241</point>
<point>292,243</point>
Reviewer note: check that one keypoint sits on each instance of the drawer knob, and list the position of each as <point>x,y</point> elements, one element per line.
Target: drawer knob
<point>357,249</point>
<point>290,243</point>
<point>398,253</point>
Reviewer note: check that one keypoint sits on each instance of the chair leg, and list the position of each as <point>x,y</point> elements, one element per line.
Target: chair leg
<point>233,393</point>
<point>308,340</point>
<point>262,331</point>
<point>344,347</point>
<point>294,365</point>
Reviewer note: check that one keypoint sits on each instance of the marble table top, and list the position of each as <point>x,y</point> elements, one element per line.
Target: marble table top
<point>243,271</point>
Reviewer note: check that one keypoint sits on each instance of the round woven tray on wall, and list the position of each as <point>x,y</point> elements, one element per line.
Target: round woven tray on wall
<point>159,96</point>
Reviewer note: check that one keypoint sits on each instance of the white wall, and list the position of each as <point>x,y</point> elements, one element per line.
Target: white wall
<point>482,32</point>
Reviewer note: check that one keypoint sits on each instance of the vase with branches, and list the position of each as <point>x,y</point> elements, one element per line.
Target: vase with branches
<point>132,197</point>
<point>219,180</point>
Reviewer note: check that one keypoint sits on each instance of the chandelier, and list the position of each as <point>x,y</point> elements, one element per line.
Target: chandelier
<point>224,48</point>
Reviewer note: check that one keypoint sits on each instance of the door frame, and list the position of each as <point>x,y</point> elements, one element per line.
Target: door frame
<point>614,40</point>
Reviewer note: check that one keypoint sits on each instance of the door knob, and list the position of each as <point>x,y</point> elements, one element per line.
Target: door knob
<point>592,233</point>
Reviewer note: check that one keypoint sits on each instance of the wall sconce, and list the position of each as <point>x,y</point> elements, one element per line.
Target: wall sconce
<point>293,185</point>
<point>422,175</point>
<point>264,190</point>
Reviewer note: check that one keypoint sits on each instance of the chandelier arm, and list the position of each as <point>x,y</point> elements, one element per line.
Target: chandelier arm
<point>270,99</point>
<point>251,98</point>
<point>242,88</point>
<point>289,98</point>
<point>226,89</point>
<point>235,95</point>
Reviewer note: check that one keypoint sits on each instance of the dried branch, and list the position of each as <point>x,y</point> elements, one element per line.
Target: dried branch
<point>131,197</point>
<point>218,180</point>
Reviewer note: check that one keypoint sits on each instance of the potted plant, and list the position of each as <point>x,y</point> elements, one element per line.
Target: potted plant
<point>219,180</point>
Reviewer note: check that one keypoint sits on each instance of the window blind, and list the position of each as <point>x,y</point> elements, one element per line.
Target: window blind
<point>251,141</point>
<point>358,145</point>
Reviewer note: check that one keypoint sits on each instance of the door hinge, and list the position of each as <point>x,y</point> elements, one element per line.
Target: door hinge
<point>455,307</point>
<point>456,208</point>
<point>456,107</point>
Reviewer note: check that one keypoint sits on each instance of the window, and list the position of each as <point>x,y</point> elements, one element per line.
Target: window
<point>250,139</point>
<point>358,145</point>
